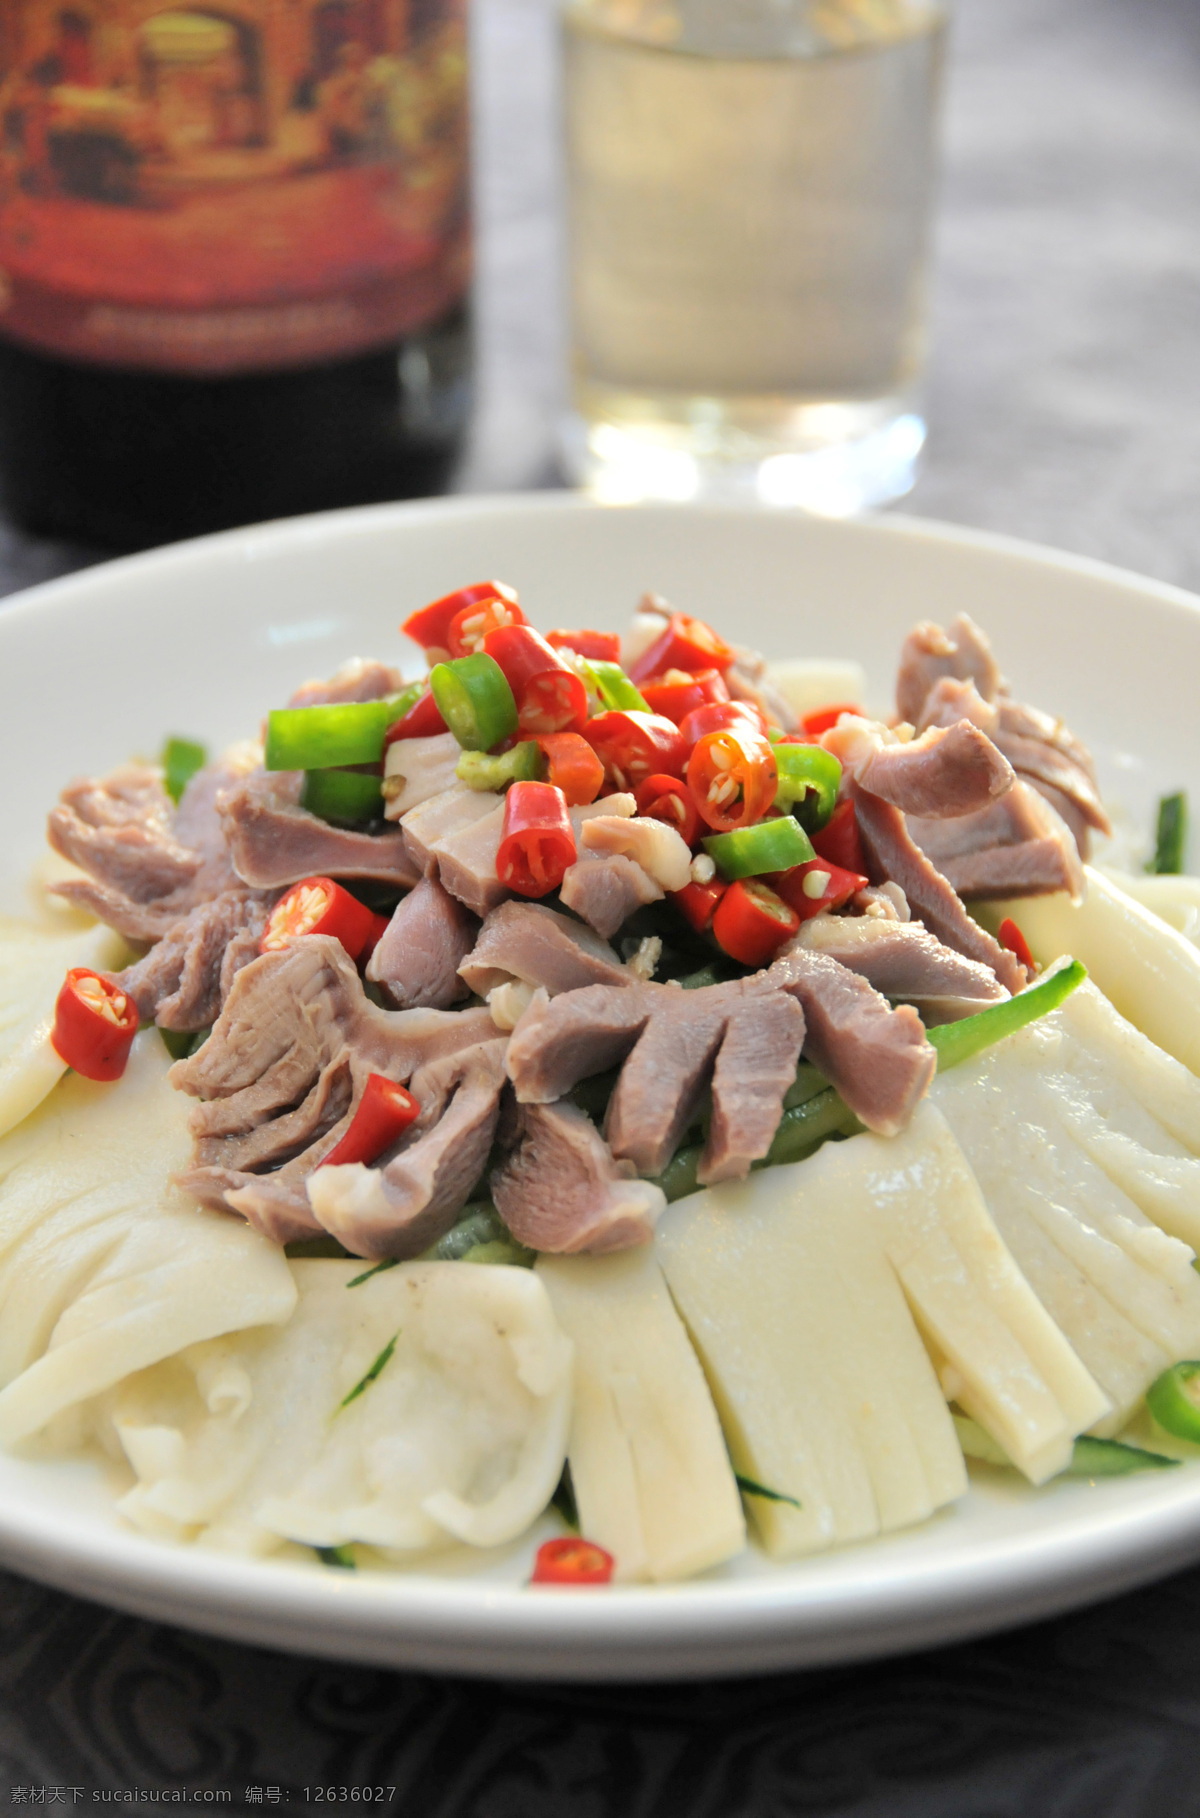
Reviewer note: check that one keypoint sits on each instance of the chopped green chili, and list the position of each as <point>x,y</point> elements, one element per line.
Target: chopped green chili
<point>1170,835</point>
<point>1174,1400</point>
<point>341,1557</point>
<point>181,1044</point>
<point>774,845</point>
<point>399,704</point>
<point>473,697</point>
<point>342,795</point>
<point>748,1487</point>
<point>808,783</point>
<point>957,1042</point>
<point>316,738</point>
<point>1112,1458</point>
<point>377,1369</point>
<point>181,759</point>
<point>617,693</point>
<point>523,764</point>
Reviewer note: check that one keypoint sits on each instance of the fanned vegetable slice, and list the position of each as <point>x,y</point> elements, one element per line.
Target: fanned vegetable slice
<point>428,1406</point>
<point>105,1267</point>
<point>651,1475</point>
<point>34,960</point>
<point>824,1389</point>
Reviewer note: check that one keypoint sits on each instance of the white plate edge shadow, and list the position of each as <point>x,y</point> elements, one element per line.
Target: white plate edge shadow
<point>755,1624</point>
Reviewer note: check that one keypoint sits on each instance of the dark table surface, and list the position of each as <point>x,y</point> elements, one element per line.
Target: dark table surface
<point>1065,406</point>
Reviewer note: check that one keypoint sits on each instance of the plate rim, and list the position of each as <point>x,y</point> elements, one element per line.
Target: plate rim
<point>673,1631</point>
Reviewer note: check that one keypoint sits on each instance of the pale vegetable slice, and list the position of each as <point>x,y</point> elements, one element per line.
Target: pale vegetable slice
<point>652,1479</point>
<point>33,963</point>
<point>1174,898</point>
<point>105,1267</point>
<point>1121,1290</point>
<point>828,1400</point>
<point>810,684</point>
<point>1003,1359</point>
<point>427,1404</point>
<point>1108,1048</point>
<point>1147,970</point>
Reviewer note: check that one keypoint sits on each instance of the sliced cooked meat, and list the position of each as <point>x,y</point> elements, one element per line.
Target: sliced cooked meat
<point>1043,761</point>
<point>947,771</point>
<point>674,1040</point>
<point>282,1073</point>
<point>416,769</point>
<point>361,679</point>
<point>892,853</point>
<point>399,1209</point>
<point>529,942</point>
<point>756,1063</point>
<point>417,958</point>
<point>120,829</point>
<point>1069,814</point>
<point>662,1083</point>
<point>880,1059</point>
<point>183,980</point>
<point>952,674</point>
<point>606,891</point>
<point>150,864</point>
<point>441,816</point>
<point>950,701</point>
<point>274,842</point>
<point>561,1040</point>
<point>929,653</point>
<point>660,850</point>
<point>903,960</point>
<point>466,861</point>
<point>561,1189</point>
<point>1018,847</point>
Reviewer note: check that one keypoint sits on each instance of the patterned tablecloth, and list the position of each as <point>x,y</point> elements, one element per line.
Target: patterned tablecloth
<point>1065,406</point>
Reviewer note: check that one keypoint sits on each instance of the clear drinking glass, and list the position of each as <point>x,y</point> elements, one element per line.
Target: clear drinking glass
<point>749,186</point>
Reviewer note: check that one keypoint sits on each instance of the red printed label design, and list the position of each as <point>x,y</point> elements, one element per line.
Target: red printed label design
<point>224,187</point>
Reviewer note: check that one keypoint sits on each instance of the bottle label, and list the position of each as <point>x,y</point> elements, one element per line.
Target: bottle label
<point>265,184</point>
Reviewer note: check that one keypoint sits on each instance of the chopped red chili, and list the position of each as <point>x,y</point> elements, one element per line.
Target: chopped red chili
<point>572,766</point>
<point>633,746</point>
<point>826,717</point>
<point>751,921</point>
<point>733,777</point>
<point>1010,936</point>
<point>537,839</point>
<point>839,840</point>
<point>697,903</point>
<point>94,1025</point>
<point>318,905</point>
<point>676,694</point>
<point>597,646</point>
<point>815,886</point>
<point>572,1561</point>
<point>422,721</point>
<point>685,644</point>
<point>550,695</point>
<point>430,626</point>
<point>383,1114</point>
<point>665,798</point>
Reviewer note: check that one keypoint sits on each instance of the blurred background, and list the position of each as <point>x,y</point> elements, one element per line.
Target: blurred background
<point>1064,380</point>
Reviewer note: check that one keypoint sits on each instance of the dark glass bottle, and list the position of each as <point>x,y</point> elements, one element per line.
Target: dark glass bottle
<point>234,250</point>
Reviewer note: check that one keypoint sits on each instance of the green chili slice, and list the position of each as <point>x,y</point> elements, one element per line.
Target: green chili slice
<point>614,687</point>
<point>341,1557</point>
<point>1170,835</point>
<point>399,704</point>
<point>181,758</point>
<point>523,764</point>
<point>957,1042</point>
<point>473,697</point>
<point>1174,1400</point>
<point>316,738</point>
<point>808,783</point>
<point>342,795</point>
<point>774,845</point>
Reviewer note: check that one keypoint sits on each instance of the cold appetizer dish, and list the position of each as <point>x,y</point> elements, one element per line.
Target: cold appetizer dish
<point>608,1089</point>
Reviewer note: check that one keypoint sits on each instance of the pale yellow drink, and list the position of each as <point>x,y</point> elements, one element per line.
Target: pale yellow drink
<point>749,197</point>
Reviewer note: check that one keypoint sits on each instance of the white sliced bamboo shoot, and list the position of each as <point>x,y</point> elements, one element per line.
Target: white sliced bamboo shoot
<point>33,963</point>
<point>1012,1368</point>
<point>825,1392</point>
<point>1150,972</point>
<point>105,1267</point>
<point>651,1475</point>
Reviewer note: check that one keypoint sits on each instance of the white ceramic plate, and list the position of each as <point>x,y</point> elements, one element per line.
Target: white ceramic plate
<point>202,638</point>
